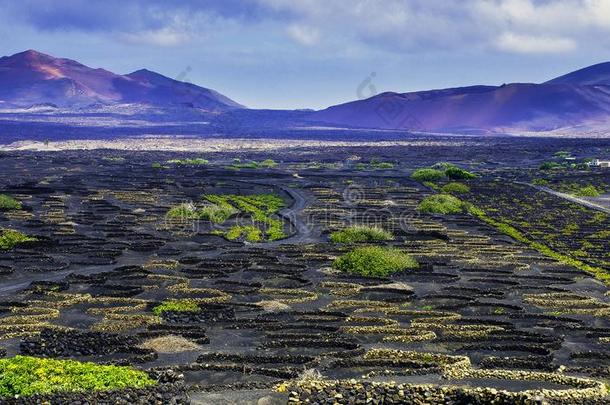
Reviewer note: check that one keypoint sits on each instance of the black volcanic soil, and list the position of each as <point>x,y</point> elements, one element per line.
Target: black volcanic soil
<point>107,255</point>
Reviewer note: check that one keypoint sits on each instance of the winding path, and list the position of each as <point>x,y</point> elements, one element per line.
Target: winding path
<point>569,197</point>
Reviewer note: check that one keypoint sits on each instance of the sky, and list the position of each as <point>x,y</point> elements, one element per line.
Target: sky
<point>317,53</point>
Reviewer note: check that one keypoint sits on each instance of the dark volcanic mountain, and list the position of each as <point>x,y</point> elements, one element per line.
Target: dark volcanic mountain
<point>30,77</point>
<point>579,99</point>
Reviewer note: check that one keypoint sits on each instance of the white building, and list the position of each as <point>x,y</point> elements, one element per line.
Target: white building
<point>600,163</point>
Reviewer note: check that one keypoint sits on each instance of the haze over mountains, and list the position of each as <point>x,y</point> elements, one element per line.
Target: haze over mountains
<point>578,101</point>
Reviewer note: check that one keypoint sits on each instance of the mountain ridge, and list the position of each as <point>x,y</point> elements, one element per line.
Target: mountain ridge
<point>580,99</point>
<point>31,77</point>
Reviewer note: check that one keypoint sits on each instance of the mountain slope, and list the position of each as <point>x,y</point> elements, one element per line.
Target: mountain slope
<point>159,88</point>
<point>596,74</point>
<point>526,107</point>
<point>32,77</point>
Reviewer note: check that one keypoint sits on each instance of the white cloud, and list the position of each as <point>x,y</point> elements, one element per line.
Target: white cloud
<point>304,35</point>
<point>531,44</point>
<point>515,26</point>
<point>396,26</point>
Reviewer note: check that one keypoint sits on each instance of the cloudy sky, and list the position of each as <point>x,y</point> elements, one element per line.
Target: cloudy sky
<point>314,53</point>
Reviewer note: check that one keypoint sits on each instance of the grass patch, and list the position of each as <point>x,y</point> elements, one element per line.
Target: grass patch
<point>374,261</point>
<point>182,305</point>
<point>455,188</point>
<point>361,233</point>
<point>441,204</point>
<point>9,238</point>
<point>8,203</point>
<point>26,376</point>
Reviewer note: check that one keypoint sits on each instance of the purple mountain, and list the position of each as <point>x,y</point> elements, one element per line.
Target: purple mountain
<point>32,77</point>
<point>581,99</point>
<point>592,75</point>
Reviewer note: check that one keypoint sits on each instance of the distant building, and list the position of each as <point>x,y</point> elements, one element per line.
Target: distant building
<point>600,163</point>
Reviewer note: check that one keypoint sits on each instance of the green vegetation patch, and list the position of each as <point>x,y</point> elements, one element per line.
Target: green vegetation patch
<point>265,164</point>
<point>578,189</point>
<point>517,235</point>
<point>456,173</point>
<point>182,305</point>
<point>183,211</point>
<point>441,204</point>
<point>189,162</point>
<point>8,203</point>
<point>374,261</point>
<point>588,191</point>
<point>455,188</point>
<point>550,166</point>
<point>361,233</point>
<point>216,213</point>
<point>261,208</point>
<point>440,171</point>
<point>9,238</point>
<point>427,175</point>
<point>249,232</point>
<point>26,376</point>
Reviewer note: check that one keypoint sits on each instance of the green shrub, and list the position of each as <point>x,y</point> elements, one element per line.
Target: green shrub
<point>431,185</point>
<point>268,163</point>
<point>181,305</point>
<point>360,233</point>
<point>9,203</point>
<point>549,166</point>
<point>384,165</point>
<point>457,173</point>
<point>441,204</point>
<point>247,165</point>
<point>443,166</point>
<point>588,191</point>
<point>184,211</point>
<point>189,162</point>
<point>9,238</point>
<point>26,376</point>
<point>427,175</point>
<point>540,182</point>
<point>455,188</point>
<point>562,154</point>
<point>374,261</point>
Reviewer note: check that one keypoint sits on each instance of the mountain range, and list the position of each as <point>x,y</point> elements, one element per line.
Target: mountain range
<point>31,77</point>
<point>576,101</point>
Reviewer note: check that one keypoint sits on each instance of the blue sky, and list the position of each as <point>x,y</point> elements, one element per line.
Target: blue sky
<point>315,53</point>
